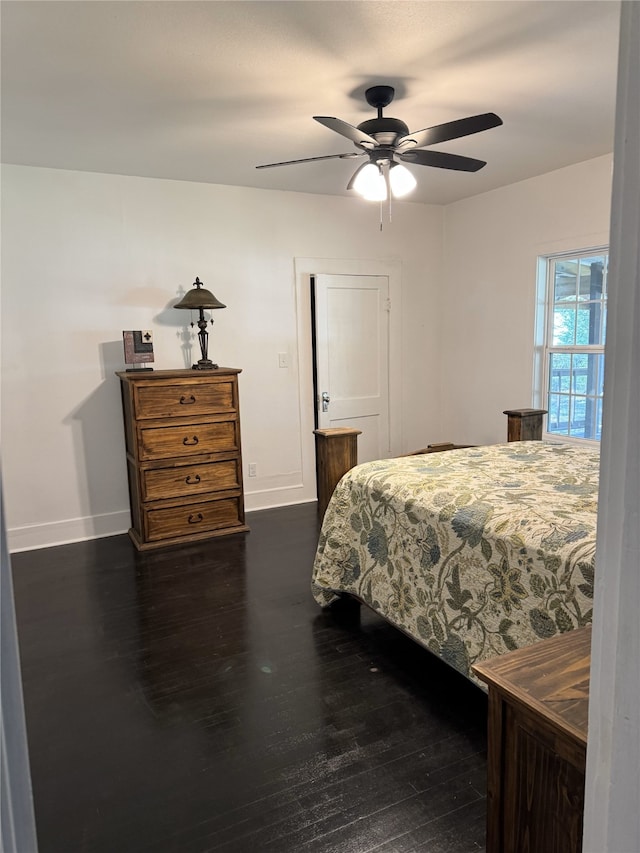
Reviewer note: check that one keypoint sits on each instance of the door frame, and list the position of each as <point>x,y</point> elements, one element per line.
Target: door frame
<point>304,268</point>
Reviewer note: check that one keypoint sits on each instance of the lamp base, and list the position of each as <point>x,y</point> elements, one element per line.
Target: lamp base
<point>204,364</point>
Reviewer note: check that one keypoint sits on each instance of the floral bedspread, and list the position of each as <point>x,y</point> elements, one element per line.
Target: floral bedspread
<point>473,552</point>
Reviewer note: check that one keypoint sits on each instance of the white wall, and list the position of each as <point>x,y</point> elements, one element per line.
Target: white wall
<point>491,244</point>
<point>86,255</point>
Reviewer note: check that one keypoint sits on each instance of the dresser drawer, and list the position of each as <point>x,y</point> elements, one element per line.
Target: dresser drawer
<point>185,480</point>
<point>193,518</point>
<point>187,440</point>
<point>184,400</point>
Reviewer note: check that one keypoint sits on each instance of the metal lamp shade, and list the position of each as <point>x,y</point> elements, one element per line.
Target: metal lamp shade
<point>199,298</point>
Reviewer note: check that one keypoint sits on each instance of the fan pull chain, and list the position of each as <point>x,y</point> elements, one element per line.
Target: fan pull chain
<point>385,171</point>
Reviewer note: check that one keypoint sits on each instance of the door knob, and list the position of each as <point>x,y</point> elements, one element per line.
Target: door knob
<point>326,399</point>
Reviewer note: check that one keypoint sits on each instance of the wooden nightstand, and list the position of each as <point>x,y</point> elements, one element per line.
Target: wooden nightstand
<point>182,430</point>
<point>538,711</point>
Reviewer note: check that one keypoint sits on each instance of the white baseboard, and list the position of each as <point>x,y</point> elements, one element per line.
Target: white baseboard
<point>33,536</point>
<point>270,498</point>
<point>277,506</point>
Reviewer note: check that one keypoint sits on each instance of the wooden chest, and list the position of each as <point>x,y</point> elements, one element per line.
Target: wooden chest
<point>538,710</point>
<point>182,430</point>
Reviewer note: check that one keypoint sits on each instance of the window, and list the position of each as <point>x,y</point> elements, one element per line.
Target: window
<point>576,308</point>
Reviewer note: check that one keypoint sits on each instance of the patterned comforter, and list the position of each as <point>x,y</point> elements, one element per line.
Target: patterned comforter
<point>472,552</point>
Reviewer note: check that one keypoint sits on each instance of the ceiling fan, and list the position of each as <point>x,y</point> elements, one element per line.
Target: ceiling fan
<point>387,143</point>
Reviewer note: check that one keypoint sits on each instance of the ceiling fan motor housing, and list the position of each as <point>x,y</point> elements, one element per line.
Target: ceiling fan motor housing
<point>384,130</point>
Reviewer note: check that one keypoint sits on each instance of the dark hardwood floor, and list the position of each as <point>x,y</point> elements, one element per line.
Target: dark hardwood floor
<point>197,699</point>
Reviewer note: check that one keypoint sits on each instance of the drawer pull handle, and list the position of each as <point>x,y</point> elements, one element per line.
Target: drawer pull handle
<point>196,519</point>
<point>191,481</point>
<point>187,401</point>
<point>190,443</point>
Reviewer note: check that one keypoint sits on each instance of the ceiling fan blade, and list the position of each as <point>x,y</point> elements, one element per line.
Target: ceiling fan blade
<point>450,130</point>
<point>347,156</point>
<point>348,130</point>
<point>441,160</point>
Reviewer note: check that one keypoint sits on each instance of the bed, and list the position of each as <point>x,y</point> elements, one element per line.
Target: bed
<point>472,552</point>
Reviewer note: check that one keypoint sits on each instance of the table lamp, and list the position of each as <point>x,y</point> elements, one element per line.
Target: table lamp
<point>201,299</point>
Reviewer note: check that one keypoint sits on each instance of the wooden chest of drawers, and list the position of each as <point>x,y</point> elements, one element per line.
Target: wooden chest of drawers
<point>182,431</point>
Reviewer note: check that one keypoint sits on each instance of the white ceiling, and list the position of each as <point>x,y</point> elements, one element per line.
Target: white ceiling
<point>205,91</point>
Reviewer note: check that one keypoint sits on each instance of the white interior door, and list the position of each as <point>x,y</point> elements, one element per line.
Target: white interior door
<point>352,358</point>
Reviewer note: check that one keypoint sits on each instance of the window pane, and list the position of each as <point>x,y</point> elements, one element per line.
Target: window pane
<point>589,324</point>
<point>595,375</point>
<point>560,372</point>
<point>577,426</point>
<point>593,418</point>
<point>590,283</point>
<point>564,326</point>
<point>586,417</point>
<point>579,373</point>
<point>565,273</point>
<point>558,417</point>
<point>598,434</point>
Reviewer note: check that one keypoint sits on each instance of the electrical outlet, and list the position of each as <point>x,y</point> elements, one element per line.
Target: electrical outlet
<point>283,359</point>
<point>253,469</point>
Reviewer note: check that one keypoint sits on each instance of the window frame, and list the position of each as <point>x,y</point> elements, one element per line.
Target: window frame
<point>544,335</point>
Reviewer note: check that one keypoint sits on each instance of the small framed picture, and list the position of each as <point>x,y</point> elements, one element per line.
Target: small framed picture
<point>138,348</point>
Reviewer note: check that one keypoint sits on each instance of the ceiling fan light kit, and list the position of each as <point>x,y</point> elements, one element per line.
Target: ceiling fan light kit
<point>402,180</point>
<point>388,144</point>
<point>373,181</point>
<point>369,182</point>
